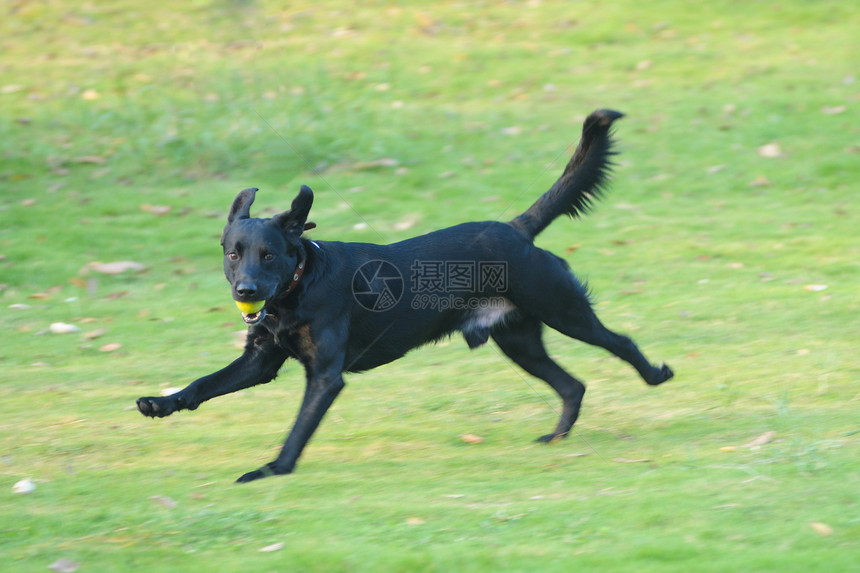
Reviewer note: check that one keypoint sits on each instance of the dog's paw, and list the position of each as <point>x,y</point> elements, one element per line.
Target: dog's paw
<point>265,471</point>
<point>251,476</point>
<point>661,374</point>
<point>551,438</point>
<point>157,407</point>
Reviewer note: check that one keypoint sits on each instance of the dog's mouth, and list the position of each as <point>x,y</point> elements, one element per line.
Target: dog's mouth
<point>252,312</point>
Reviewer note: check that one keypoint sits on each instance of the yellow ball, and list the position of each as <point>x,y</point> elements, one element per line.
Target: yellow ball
<point>251,307</point>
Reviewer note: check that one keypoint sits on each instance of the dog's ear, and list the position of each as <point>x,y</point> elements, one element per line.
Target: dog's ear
<point>241,208</point>
<point>293,221</point>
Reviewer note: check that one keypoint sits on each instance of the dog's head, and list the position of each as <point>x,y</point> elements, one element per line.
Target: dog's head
<point>261,255</point>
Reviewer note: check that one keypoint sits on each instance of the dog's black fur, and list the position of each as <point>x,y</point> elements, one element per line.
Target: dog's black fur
<point>314,310</point>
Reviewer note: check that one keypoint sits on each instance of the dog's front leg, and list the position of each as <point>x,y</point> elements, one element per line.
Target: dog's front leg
<point>319,395</point>
<point>324,383</point>
<point>257,365</point>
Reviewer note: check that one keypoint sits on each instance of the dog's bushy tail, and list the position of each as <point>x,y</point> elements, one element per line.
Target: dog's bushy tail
<point>583,178</point>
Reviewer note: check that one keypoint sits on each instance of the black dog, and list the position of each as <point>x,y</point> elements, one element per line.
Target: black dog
<point>347,307</point>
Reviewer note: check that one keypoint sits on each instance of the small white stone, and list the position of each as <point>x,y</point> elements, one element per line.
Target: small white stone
<point>63,328</point>
<point>24,486</point>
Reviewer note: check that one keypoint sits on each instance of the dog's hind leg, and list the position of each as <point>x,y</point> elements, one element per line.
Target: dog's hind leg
<point>521,342</point>
<point>546,289</point>
<point>588,328</point>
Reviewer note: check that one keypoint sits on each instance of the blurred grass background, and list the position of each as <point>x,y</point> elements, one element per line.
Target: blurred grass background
<point>727,247</point>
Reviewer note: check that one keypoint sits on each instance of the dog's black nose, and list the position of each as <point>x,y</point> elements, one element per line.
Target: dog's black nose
<point>246,290</point>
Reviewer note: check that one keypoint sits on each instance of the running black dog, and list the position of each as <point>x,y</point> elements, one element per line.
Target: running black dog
<point>348,307</point>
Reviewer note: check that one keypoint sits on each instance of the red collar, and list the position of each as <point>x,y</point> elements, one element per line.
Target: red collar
<point>297,276</point>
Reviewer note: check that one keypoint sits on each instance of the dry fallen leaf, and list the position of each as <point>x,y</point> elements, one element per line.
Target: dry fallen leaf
<point>272,547</point>
<point>164,501</point>
<point>770,150</point>
<point>405,224</point>
<point>761,440</point>
<point>833,110</point>
<point>815,288</point>
<point>415,521</point>
<point>92,159</point>
<point>471,439</point>
<point>110,347</point>
<point>376,163</point>
<point>118,294</point>
<point>46,294</point>
<point>93,334</point>
<point>821,528</point>
<point>629,461</point>
<point>159,210</point>
<point>117,267</point>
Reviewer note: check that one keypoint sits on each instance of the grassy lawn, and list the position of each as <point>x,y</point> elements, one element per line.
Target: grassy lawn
<point>727,246</point>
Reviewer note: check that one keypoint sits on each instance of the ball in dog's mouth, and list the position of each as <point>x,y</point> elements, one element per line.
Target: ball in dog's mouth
<point>252,312</point>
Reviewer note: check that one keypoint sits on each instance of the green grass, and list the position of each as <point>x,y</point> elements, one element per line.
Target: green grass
<point>703,252</point>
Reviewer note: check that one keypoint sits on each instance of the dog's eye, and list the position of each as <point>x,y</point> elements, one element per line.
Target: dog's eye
<point>268,257</point>
<point>233,256</point>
